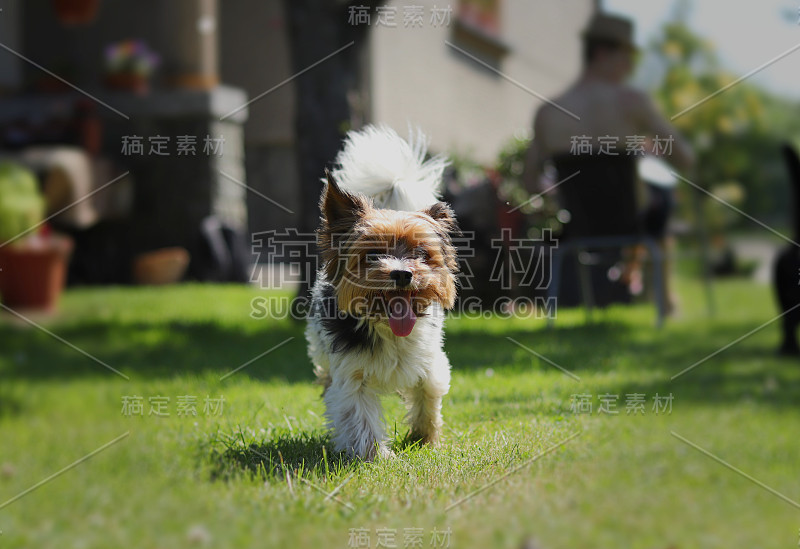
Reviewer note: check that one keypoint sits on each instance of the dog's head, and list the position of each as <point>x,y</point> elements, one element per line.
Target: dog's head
<point>387,265</point>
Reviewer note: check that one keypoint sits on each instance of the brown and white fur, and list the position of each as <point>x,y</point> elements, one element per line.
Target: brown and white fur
<point>387,276</point>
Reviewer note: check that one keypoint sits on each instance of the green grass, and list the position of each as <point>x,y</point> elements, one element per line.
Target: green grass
<point>253,476</point>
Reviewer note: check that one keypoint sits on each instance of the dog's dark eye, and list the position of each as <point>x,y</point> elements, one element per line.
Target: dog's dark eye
<point>374,255</point>
<point>421,253</point>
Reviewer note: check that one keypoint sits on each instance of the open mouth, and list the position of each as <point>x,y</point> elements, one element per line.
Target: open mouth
<point>402,317</point>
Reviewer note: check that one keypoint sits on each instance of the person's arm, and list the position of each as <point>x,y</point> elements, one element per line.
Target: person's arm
<point>652,124</point>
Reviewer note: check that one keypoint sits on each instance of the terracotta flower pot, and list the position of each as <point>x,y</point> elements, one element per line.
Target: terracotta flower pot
<point>164,266</point>
<point>76,12</point>
<point>32,276</point>
<point>128,81</point>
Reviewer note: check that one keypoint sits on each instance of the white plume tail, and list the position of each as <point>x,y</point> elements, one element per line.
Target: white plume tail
<point>378,163</point>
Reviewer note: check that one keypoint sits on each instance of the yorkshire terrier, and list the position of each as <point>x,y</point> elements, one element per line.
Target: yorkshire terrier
<point>388,273</point>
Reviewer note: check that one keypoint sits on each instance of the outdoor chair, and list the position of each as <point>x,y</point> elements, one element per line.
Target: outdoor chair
<point>600,196</point>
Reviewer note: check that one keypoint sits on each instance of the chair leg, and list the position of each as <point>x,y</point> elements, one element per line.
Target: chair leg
<point>657,260</point>
<point>585,279</point>
<point>557,258</point>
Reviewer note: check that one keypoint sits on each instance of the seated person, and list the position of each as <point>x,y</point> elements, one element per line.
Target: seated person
<point>599,115</point>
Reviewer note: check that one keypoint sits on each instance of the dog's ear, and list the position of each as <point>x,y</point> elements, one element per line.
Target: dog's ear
<point>447,229</point>
<point>340,212</point>
<point>443,215</point>
<point>339,207</point>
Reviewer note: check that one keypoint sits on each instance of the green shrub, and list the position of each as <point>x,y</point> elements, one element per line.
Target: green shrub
<point>21,203</point>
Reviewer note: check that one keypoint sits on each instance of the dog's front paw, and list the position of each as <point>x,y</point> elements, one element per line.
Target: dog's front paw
<point>374,451</point>
<point>384,452</point>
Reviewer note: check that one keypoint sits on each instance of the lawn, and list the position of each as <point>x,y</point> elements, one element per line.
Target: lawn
<point>521,459</point>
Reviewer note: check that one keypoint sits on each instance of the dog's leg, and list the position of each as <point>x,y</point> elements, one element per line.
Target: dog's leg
<point>425,405</point>
<point>354,412</point>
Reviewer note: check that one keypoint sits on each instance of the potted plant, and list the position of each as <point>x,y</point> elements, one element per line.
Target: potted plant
<point>33,263</point>
<point>129,65</point>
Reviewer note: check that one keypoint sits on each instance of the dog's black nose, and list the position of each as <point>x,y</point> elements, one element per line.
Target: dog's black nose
<point>401,277</point>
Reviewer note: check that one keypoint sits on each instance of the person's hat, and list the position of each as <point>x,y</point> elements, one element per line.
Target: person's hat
<point>611,28</point>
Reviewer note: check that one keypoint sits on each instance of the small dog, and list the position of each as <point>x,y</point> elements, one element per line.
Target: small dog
<point>387,275</point>
<point>786,272</point>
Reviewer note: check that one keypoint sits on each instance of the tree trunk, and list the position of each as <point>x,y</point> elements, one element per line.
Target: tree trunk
<point>318,28</point>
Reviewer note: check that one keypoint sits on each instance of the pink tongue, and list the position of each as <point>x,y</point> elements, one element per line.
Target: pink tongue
<point>401,316</point>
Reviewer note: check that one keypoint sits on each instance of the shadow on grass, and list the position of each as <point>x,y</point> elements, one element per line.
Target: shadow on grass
<point>169,349</point>
<point>774,383</point>
<point>285,454</point>
<point>11,403</point>
<point>750,370</point>
<point>570,345</point>
<point>298,454</point>
<point>165,350</point>
<point>141,350</point>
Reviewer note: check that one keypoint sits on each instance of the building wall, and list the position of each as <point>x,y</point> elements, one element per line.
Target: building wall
<point>254,55</point>
<point>466,108</point>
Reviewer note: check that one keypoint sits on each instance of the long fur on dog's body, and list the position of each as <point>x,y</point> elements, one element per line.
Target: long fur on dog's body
<point>382,187</point>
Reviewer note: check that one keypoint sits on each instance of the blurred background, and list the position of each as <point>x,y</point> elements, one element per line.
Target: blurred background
<point>165,137</point>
